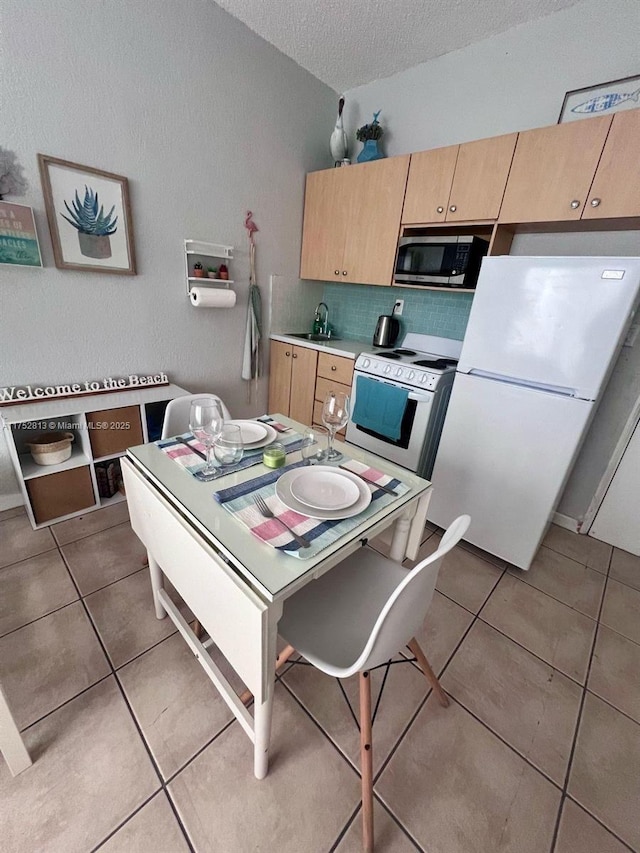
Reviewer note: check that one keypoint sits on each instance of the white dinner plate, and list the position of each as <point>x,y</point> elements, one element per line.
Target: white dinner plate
<point>255,435</point>
<point>283,491</point>
<point>321,488</point>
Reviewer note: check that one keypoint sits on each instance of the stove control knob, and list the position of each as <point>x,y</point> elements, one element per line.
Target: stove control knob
<point>387,368</point>
<point>411,374</point>
<point>366,362</point>
<point>424,378</point>
<point>399,372</point>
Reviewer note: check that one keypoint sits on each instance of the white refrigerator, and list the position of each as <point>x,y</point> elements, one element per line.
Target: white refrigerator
<point>542,337</point>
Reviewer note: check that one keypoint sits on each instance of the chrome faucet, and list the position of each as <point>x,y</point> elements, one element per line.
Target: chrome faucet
<point>322,325</point>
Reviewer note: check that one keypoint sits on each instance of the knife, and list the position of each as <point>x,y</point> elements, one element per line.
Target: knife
<point>384,489</point>
<point>191,447</point>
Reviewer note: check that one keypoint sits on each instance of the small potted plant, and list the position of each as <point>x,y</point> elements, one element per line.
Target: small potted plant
<point>369,134</point>
<point>212,272</point>
<point>223,272</point>
<point>198,272</point>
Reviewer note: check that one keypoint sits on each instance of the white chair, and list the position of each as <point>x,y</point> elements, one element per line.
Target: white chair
<point>176,415</point>
<point>359,615</point>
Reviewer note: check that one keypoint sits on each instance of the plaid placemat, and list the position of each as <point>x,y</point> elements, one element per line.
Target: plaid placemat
<point>239,501</point>
<point>184,454</point>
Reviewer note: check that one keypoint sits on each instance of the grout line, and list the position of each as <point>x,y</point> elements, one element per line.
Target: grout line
<point>93,532</point>
<point>535,655</point>
<point>580,709</point>
<point>598,821</point>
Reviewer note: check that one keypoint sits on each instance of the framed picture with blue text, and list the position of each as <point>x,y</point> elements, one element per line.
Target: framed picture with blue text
<point>18,236</point>
<point>89,217</point>
<point>600,100</point>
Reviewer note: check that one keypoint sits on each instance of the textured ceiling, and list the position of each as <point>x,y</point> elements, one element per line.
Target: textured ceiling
<point>346,43</point>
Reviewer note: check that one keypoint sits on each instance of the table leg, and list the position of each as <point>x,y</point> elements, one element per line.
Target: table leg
<point>11,743</point>
<point>157,583</point>
<point>400,538</point>
<point>263,705</point>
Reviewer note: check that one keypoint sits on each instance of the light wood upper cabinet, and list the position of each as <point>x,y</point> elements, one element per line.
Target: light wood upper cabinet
<point>459,183</point>
<point>325,220</point>
<point>292,379</point>
<point>429,185</point>
<point>552,171</point>
<point>351,222</point>
<point>615,190</point>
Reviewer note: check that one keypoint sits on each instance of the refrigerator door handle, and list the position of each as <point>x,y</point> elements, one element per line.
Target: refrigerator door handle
<point>511,380</point>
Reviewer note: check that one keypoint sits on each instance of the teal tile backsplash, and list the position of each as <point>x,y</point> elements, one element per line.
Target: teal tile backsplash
<point>354,310</point>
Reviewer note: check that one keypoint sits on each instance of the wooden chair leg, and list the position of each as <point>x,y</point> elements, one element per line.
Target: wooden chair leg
<point>281,659</point>
<point>366,761</point>
<point>430,675</point>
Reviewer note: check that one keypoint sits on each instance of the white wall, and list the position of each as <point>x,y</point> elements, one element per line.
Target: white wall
<point>513,81</point>
<point>206,120</point>
<point>516,81</point>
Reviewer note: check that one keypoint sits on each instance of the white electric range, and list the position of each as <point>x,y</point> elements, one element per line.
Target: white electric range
<point>425,366</point>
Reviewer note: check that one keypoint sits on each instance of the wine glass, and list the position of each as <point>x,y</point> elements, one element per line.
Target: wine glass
<point>205,422</point>
<point>335,414</point>
<point>311,448</point>
<point>229,446</point>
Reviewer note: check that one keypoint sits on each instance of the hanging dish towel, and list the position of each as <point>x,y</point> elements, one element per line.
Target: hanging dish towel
<point>253,331</point>
<point>379,407</point>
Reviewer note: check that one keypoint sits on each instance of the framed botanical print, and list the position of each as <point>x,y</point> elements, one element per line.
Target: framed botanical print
<point>89,215</point>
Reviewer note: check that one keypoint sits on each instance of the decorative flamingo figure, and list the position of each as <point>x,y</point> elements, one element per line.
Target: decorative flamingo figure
<point>250,225</point>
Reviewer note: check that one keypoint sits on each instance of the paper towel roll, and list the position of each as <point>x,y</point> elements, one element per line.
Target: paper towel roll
<point>212,297</point>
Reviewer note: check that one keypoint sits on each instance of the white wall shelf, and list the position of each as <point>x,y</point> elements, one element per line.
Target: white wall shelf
<point>197,251</point>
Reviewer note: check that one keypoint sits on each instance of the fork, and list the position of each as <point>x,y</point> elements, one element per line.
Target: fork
<point>264,510</point>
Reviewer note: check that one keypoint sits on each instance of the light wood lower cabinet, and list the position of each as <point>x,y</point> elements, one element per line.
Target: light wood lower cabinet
<point>292,381</point>
<point>301,377</point>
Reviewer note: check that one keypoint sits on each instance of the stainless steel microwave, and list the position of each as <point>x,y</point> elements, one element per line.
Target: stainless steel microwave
<point>444,261</point>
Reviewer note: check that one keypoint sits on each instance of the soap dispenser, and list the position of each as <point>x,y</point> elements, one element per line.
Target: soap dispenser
<point>317,324</point>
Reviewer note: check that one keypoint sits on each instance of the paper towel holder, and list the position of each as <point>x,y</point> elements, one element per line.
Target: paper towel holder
<point>197,251</point>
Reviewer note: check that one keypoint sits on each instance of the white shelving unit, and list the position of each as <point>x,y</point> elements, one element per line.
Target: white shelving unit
<point>196,251</point>
<point>55,493</point>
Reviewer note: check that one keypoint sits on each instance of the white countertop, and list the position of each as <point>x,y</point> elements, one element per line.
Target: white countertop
<point>344,347</point>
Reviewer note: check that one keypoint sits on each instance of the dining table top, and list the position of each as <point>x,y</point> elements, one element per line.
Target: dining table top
<point>272,573</point>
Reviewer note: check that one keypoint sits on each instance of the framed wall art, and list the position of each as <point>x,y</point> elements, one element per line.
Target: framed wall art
<point>603,99</point>
<point>18,236</point>
<point>89,217</point>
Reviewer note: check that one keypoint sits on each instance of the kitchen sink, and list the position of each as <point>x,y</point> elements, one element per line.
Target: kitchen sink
<point>310,336</point>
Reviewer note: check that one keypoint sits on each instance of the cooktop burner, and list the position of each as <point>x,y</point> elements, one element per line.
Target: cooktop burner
<point>390,354</point>
<point>438,363</point>
<point>405,352</point>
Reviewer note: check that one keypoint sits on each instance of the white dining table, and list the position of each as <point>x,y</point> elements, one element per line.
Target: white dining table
<point>235,584</point>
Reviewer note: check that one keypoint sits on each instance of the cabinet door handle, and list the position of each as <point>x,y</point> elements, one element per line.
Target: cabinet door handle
<point>333,367</point>
<point>595,202</point>
<point>440,209</point>
<point>294,355</point>
<point>344,272</point>
<point>336,272</point>
<point>575,204</point>
<point>453,208</point>
<point>287,354</point>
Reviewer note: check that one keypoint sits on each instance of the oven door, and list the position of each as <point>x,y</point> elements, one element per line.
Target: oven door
<point>406,450</point>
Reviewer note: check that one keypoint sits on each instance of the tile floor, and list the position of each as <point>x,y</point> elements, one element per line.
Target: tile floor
<point>134,751</point>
